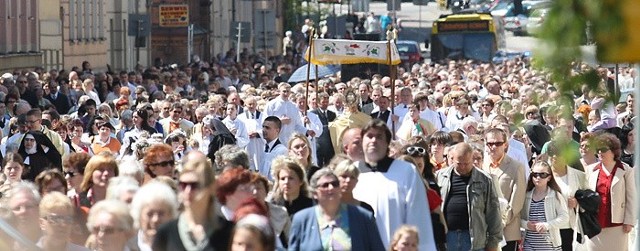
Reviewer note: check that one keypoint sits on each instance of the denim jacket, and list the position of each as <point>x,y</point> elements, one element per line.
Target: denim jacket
<point>485,220</point>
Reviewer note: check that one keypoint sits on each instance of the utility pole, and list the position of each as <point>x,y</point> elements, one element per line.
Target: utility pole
<point>238,37</point>
<point>189,42</point>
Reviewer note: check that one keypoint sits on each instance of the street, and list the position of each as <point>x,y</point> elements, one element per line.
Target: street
<point>413,28</point>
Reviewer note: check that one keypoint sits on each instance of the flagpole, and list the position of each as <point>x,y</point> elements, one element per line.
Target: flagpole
<point>393,84</point>
<point>309,51</point>
<point>317,86</point>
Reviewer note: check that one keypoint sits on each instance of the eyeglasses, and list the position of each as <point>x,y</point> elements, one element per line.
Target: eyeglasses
<point>495,144</point>
<point>105,230</point>
<point>193,185</point>
<point>164,163</point>
<point>603,149</point>
<point>486,105</point>
<point>334,184</point>
<point>412,150</point>
<point>246,188</point>
<point>26,207</point>
<point>70,174</point>
<point>540,175</point>
<point>58,219</point>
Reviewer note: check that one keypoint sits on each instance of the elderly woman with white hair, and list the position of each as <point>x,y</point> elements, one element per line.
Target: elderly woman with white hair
<point>122,188</point>
<point>57,223</point>
<point>111,226</point>
<point>153,205</point>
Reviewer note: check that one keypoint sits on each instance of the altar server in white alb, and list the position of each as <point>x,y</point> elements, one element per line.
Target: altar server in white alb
<point>287,112</point>
<point>312,122</point>
<point>252,119</point>
<point>236,126</point>
<point>392,187</point>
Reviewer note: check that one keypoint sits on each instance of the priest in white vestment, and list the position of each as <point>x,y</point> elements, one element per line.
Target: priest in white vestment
<point>287,112</point>
<point>392,187</point>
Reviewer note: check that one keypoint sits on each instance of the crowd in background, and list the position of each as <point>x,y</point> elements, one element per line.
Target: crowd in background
<point>226,155</point>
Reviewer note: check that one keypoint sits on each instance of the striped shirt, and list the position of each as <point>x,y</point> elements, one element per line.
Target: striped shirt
<point>532,239</point>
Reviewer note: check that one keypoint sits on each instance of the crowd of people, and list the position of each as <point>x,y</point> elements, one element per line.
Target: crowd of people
<point>226,155</point>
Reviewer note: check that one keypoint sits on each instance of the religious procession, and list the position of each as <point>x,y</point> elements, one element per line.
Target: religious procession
<point>258,151</point>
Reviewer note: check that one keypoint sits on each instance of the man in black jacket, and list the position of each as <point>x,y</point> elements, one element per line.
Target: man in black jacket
<point>58,99</point>
<point>324,152</point>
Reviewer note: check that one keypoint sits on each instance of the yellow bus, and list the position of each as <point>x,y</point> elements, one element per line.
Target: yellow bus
<point>476,36</point>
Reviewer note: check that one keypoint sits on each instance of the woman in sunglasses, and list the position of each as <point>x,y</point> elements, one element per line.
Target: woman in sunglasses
<point>544,211</point>
<point>73,166</point>
<point>197,226</point>
<point>419,156</point>
<point>158,161</point>
<point>614,181</point>
<point>570,180</point>
<point>57,223</point>
<point>331,224</point>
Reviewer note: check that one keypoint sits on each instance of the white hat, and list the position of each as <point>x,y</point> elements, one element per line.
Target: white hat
<point>7,76</point>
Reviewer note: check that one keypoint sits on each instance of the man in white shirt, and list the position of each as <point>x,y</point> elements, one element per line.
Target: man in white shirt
<point>236,126</point>
<point>426,113</point>
<point>401,109</point>
<point>88,86</point>
<point>338,103</point>
<point>392,187</point>
<point>287,112</point>
<point>271,128</point>
<point>252,119</point>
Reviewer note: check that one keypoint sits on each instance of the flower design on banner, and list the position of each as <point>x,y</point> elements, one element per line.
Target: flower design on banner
<point>329,47</point>
<point>372,50</point>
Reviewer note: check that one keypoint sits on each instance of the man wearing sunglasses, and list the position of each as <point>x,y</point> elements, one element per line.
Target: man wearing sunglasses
<point>509,179</point>
<point>392,187</point>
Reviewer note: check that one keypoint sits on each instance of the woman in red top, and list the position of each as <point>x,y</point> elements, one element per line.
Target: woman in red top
<point>614,181</point>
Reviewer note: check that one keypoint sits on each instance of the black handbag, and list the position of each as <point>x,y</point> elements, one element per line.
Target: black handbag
<point>589,202</point>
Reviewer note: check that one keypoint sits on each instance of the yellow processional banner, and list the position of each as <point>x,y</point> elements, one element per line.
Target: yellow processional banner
<point>339,51</point>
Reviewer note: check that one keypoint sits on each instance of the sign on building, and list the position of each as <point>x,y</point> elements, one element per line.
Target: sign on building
<point>174,15</point>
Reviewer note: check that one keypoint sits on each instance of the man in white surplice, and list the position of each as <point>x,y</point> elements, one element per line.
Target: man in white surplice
<point>236,126</point>
<point>392,187</point>
<point>252,119</point>
<point>312,123</point>
<point>287,112</point>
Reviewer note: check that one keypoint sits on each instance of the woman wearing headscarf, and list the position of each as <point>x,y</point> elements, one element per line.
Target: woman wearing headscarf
<point>39,154</point>
<point>221,136</point>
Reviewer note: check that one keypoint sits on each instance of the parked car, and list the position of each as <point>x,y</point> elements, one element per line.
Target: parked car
<point>535,21</point>
<point>409,52</point>
<point>502,56</point>
<point>517,24</point>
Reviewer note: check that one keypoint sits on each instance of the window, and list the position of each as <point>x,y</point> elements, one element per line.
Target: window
<point>86,19</point>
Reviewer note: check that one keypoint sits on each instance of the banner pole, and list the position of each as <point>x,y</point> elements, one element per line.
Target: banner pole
<point>309,51</point>
<point>393,84</point>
